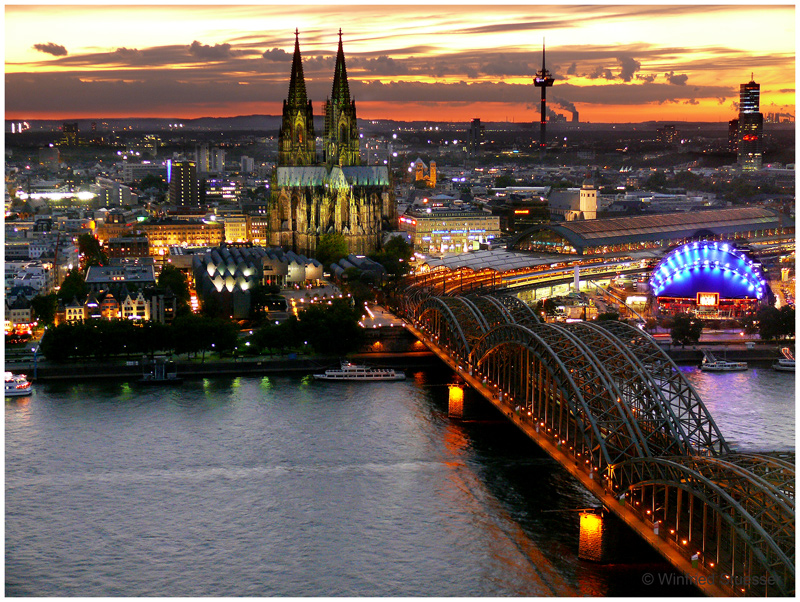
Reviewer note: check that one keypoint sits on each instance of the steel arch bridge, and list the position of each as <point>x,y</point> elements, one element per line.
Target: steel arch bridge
<point>607,402</point>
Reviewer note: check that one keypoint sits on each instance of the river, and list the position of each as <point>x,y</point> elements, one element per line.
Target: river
<point>285,486</point>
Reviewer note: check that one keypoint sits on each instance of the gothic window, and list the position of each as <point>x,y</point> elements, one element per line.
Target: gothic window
<point>343,134</point>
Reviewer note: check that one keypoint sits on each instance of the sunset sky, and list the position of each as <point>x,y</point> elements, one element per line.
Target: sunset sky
<point>440,62</point>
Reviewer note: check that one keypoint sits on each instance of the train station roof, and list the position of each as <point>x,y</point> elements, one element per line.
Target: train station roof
<point>643,228</point>
<point>499,260</point>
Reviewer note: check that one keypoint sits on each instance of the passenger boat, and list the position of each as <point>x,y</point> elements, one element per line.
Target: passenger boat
<point>359,372</point>
<point>712,364</point>
<point>786,363</point>
<point>17,385</point>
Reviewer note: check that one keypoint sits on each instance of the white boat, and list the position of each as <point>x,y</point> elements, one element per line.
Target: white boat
<point>786,363</point>
<point>17,385</point>
<point>351,372</point>
<point>712,364</point>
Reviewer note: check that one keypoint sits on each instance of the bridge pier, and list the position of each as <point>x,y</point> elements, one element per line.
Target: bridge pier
<point>599,536</point>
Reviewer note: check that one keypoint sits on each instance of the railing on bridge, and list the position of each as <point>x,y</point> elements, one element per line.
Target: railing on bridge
<point>622,412</point>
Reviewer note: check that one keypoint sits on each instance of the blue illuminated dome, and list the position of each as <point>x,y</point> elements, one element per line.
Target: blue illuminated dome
<point>707,267</point>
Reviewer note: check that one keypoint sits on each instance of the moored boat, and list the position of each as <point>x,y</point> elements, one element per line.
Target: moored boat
<point>359,372</point>
<point>786,363</point>
<point>711,364</point>
<point>17,385</point>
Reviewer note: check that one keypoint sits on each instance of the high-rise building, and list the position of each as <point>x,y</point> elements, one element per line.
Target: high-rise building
<point>475,135</point>
<point>182,180</point>
<point>70,131</point>
<point>750,128</point>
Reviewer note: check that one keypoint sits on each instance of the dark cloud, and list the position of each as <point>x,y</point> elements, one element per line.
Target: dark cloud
<point>600,72</point>
<point>276,55</point>
<point>629,66</point>
<point>50,48</point>
<point>382,65</point>
<point>573,69</point>
<point>130,54</point>
<point>691,101</point>
<point>649,78</point>
<point>211,53</point>
<point>676,80</point>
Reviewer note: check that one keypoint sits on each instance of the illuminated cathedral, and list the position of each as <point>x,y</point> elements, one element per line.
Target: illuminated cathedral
<point>315,193</point>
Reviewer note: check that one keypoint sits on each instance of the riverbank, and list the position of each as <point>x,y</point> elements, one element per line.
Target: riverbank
<point>292,364</point>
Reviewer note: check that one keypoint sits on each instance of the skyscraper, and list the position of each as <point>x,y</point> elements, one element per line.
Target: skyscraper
<point>750,127</point>
<point>182,180</point>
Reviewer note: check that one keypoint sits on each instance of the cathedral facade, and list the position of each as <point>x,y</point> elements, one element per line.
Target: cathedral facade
<point>318,192</point>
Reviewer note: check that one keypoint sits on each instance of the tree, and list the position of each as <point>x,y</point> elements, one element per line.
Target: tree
<point>152,181</point>
<point>73,286</point>
<point>89,248</point>
<point>45,307</point>
<point>395,256</point>
<point>173,278</point>
<point>657,181</point>
<point>608,315</point>
<point>685,329</point>
<point>331,329</point>
<point>504,181</point>
<point>331,247</point>
<point>771,324</point>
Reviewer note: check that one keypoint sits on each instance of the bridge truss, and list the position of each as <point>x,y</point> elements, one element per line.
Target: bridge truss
<point>611,400</point>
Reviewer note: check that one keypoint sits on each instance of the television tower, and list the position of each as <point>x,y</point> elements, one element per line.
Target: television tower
<point>543,80</point>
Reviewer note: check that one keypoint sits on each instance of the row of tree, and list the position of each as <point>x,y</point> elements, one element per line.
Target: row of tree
<point>327,329</point>
<point>101,339</point>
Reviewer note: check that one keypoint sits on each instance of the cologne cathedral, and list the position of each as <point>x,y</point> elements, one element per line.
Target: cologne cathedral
<point>315,192</point>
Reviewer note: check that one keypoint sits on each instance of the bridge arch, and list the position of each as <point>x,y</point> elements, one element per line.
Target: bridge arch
<point>526,363</point>
<point>740,530</point>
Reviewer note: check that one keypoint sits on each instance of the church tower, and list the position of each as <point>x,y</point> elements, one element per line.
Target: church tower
<point>340,140</point>
<point>296,141</point>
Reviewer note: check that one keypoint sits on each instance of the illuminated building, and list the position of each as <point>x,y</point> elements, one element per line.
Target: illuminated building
<point>162,233</point>
<point>750,127</point>
<point>337,195</point>
<point>70,131</point>
<point>127,246</point>
<point>710,279</point>
<point>182,181</point>
<point>418,167</point>
<point>449,229</point>
<point>475,135</point>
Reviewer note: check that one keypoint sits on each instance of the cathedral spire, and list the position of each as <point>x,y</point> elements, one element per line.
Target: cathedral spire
<point>341,89</point>
<point>296,140</point>
<point>297,83</point>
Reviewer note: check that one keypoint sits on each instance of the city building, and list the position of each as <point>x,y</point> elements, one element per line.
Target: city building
<point>750,127</point>
<point>182,181</point>
<point>312,197</point>
<point>475,135</point>
<point>450,228</point>
<point>164,232</point>
<point>418,168</point>
<point>574,203</point>
<point>70,133</point>
<point>127,246</point>
<point>105,278</point>
<point>229,272</point>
